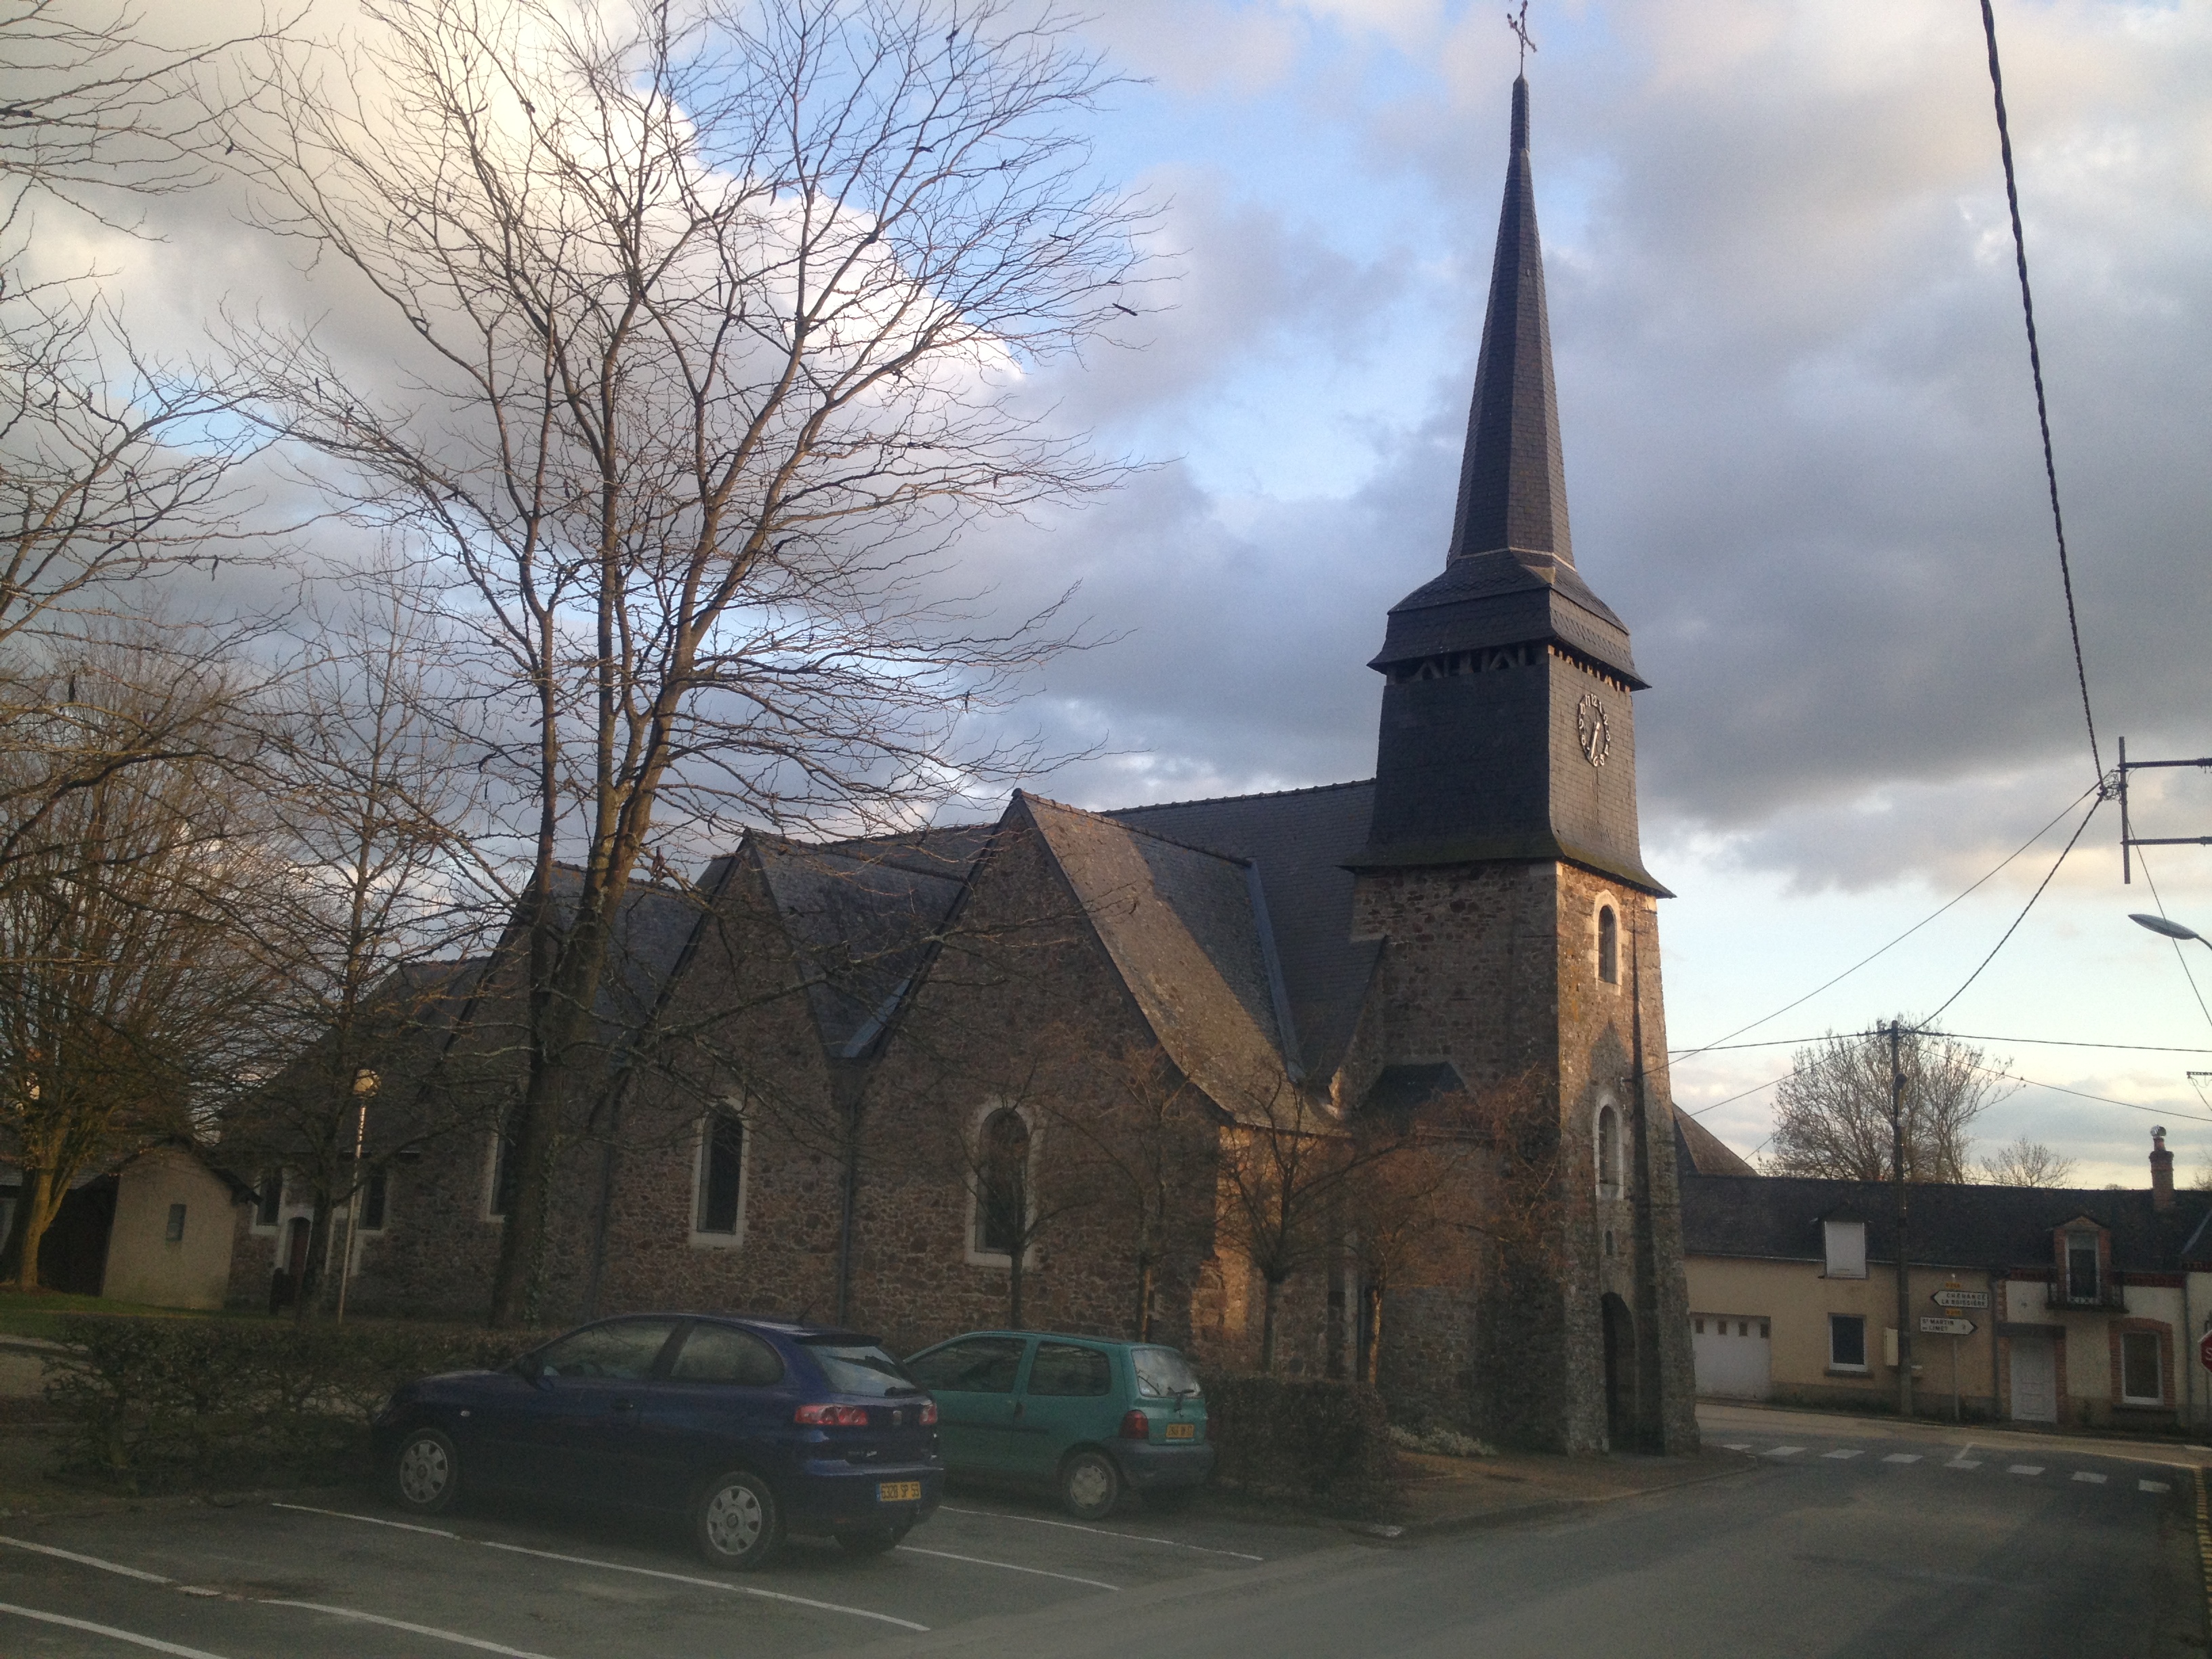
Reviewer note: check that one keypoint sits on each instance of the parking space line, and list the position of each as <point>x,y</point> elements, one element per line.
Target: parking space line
<point>1009,1566</point>
<point>109,1630</point>
<point>411,1628</point>
<point>367,1520</point>
<point>87,1561</point>
<point>1102,1532</point>
<point>709,1583</point>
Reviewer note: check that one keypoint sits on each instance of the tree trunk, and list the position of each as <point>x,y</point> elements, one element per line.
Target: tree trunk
<point>1370,1366</point>
<point>310,1271</point>
<point>39,1208</point>
<point>1268,1305</point>
<point>1147,1277</point>
<point>1014,1283</point>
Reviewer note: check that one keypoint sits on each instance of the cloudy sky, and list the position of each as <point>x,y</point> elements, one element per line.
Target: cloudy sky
<point>1801,458</point>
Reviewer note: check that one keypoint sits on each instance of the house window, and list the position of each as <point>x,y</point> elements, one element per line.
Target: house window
<point>1846,1342</point>
<point>719,1191</point>
<point>176,1233</point>
<point>1608,946</point>
<point>1002,1184</point>
<point>2081,1266</point>
<point>269,1199</point>
<point>506,1174</point>
<point>2142,1379</point>
<point>1608,1152</point>
<point>372,1194</point>
<point>1846,1249</point>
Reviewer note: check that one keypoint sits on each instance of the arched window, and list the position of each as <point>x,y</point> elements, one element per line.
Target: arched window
<point>1002,1183</point>
<point>1608,1152</point>
<point>1608,946</point>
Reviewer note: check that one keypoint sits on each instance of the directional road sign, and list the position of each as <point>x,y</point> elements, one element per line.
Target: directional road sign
<point>1936,1325</point>
<point>2204,1351</point>
<point>1961,1298</point>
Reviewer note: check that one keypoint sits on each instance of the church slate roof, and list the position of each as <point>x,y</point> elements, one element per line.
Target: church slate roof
<point>1182,933</point>
<point>1300,841</point>
<point>1699,1151</point>
<point>1778,1218</point>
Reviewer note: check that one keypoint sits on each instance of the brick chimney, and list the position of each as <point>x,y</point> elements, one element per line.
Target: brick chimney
<point>2161,1171</point>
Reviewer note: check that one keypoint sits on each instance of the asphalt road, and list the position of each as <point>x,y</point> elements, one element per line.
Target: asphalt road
<point>1841,1538</point>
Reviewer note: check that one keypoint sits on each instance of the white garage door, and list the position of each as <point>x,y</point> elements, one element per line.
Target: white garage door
<point>1734,1355</point>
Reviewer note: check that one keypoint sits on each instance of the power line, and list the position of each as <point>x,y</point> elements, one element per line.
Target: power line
<point>2083,1094</point>
<point>2024,908</point>
<point>2179,955</point>
<point>2035,368</point>
<point>1963,1036</point>
<point>1965,893</point>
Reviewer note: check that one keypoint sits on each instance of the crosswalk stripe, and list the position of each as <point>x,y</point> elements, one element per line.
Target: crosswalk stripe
<point>1902,1457</point>
<point>1784,1451</point>
<point>2023,1468</point>
<point>2094,1479</point>
<point>1735,1445</point>
<point>1964,1464</point>
<point>1847,1452</point>
<point>2152,1485</point>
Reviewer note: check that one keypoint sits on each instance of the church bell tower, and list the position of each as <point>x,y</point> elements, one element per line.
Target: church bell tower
<point>1504,876</point>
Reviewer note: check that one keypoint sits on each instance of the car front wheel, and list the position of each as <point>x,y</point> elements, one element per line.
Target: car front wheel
<point>735,1523</point>
<point>1090,1485</point>
<point>426,1476</point>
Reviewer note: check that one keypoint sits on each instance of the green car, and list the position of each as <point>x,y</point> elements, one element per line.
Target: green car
<point>1086,1417</point>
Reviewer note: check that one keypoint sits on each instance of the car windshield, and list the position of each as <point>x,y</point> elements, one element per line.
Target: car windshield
<point>857,1369</point>
<point>1162,1373</point>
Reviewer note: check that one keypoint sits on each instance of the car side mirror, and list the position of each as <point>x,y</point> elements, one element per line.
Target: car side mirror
<point>530,1368</point>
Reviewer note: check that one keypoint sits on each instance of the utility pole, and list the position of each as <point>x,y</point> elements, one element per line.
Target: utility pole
<point>1903,1256</point>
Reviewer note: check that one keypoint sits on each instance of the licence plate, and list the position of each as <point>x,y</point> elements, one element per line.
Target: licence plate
<point>1182,1431</point>
<point>898,1491</point>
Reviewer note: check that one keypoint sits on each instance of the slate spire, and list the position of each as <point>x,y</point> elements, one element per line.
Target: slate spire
<point>1512,486</point>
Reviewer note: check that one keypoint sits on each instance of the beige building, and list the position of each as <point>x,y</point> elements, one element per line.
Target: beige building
<point>2084,1307</point>
<point>169,1244</point>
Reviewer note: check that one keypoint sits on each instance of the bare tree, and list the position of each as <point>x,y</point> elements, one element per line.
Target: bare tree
<point>720,317</point>
<point>2027,1163</point>
<point>1832,1112</point>
<point>131,1001</point>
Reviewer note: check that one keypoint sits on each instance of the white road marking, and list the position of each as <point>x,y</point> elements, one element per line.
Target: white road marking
<point>367,1520</point>
<point>412,1630</point>
<point>1105,1532</point>
<point>1902,1457</point>
<point>2094,1479</point>
<point>978,1561</point>
<point>709,1583</point>
<point>1735,1445</point>
<point>1846,1453</point>
<point>87,1561</point>
<point>109,1630</point>
<point>1784,1451</point>
<point>1964,1464</point>
<point>2023,1468</point>
<point>2152,1485</point>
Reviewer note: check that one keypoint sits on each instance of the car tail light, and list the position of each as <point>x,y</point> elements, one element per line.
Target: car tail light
<point>929,1413</point>
<point>833,1417</point>
<point>1135,1426</point>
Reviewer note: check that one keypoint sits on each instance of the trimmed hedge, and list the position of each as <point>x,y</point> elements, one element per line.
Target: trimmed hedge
<point>159,1404</point>
<point>1312,1441</point>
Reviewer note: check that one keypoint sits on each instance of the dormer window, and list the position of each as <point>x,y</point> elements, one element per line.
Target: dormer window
<point>1846,1243</point>
<point>2081,1279</point>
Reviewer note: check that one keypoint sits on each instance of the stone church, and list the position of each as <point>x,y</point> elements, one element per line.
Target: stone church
<point>914,1083</point>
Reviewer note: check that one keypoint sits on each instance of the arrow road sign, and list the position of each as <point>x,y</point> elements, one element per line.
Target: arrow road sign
<point>2204,1351</point>
<point>1961,1298</point>
<point>1936,1325</point>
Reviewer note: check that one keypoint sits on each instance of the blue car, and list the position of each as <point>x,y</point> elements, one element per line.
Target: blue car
<point>750,1428</point>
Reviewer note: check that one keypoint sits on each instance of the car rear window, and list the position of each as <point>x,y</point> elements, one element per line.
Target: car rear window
<point>1067,1367</point>
<point>1162,1373</point>
<point>854,1369</point>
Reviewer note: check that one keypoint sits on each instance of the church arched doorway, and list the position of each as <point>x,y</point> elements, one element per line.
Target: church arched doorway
<point>1620,1370</point>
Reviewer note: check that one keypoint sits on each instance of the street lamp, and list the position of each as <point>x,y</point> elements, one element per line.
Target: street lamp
<point>2169,929</point>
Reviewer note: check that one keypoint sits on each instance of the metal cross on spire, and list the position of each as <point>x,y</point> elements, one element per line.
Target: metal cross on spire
<point>1519,25</point>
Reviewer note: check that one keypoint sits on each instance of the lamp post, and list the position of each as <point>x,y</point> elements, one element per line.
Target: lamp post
<point>364,1085</point>
<point>2168,929</point>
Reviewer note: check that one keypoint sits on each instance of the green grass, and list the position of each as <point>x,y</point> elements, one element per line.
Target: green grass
<point>39,1313</point>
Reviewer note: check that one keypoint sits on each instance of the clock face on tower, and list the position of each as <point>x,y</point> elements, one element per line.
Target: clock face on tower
<point>1590,729</point>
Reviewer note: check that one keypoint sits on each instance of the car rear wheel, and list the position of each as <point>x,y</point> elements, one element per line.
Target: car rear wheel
<point>426,1476</point>
<point>871,1540</point>
<point>735,1523</point>
<point>1090,1485</point>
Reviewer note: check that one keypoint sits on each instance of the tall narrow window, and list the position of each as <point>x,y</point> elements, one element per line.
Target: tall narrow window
<point>175,1234</point>
<point>1847,1342</point>
<point>269,1199</point>
<point>721,1175</point>
<point>373,1193</point>
<point>1002,1188</point>
<point>1608,946</point>
<point>2081,1267</point>
<point>506,1172</point>
<point>2142,1381</point>
<point>1608,1152</point>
